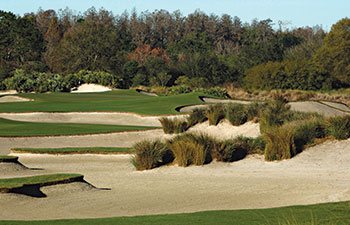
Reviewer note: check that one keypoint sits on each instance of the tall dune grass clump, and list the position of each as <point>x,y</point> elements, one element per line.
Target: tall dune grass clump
<point>279,143</point>
<point>196,116</point>
<point>275,113</point>
<point>173,126</point>
<point>236,114</point>
<point>150,154</point>
<point>215,113</point>
<point>339,127</point>
<point>191,149</point>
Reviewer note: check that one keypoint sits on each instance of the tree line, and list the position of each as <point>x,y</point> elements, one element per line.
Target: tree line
<point>164,49</point>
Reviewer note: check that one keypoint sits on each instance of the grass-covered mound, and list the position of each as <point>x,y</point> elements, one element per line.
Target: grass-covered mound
<point>11,128</point>
<point>8,158</point>
<point>87,150</point>
<point>320,214</point>
<point>113,101</point>
<point>10,184</point>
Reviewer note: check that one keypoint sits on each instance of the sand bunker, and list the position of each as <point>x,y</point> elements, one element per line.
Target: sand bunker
<point>122,139</point>
<point>87,88</point>
<point>11,98</point>
<point>224,130</point>
<point>319,174</point>
<point>8,92</point>
<point>10,168</point>
<point>325,108</point>
<point>317,107</point>
<point>111,118</point>
<point>85,117</point>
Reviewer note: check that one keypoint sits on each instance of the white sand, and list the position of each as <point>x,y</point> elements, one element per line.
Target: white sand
<point>112,118</point>
<point>224,130</point>
<point>87,88</point>
<point>122,139</point>
<point>320,174</point>
<point>8,92</point>
<point>10,98</point>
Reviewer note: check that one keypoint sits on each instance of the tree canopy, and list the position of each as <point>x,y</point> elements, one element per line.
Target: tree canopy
<point>167,48</point>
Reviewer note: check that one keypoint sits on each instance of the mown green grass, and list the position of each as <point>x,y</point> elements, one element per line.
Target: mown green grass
<point>7,158</point>
<point>17,182</point>
<point>11,128</point>
<point>96,150</point>
<point>329,213</point>
<point>116,101</point>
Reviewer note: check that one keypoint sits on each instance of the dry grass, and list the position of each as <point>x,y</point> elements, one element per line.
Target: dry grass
<point>191,149</point>
<point>150,154</point>
<point>198,115</point>
<point>173,126</point>
<point>279,143</point>
<point>215,113</point>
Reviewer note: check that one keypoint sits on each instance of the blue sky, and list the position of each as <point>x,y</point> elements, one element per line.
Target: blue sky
<point>296,12</point>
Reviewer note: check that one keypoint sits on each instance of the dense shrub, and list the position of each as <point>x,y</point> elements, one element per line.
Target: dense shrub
<point>215,91</point>
<point>176,90</point>
<point>306,131</point>
<point>151,154</point>
<point>339,127</point>
<point>236,114</point>
<point>297,74</point>
<point>102,78</point>
<point>237,148</point>
<point>191,149</point>
<point>229,151</point>
<point>196,116</point>
<point>174,125</point>
<point>279,143</point>
<point>44,82</point>
<point>253,110</point>
<point>22,81</point>
<point>252,145</point>
<point>215,113</point>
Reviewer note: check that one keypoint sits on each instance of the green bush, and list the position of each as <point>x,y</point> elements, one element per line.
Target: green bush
<point>23,81</point>
<point>339,127</point>
<point>229,151</point>
<point>151,154</point>
<point>237,148</point>
<point>176,90</point>
<point>196,116</point>
<point>253,110</point>
<point>175,125</point>
<point>215,91</point>
<point>307,131</point>
<point>252,145</point>
<point>279,143</point>
<point>191,149</point>
<point>215,113</point>
<point>236,114</point>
